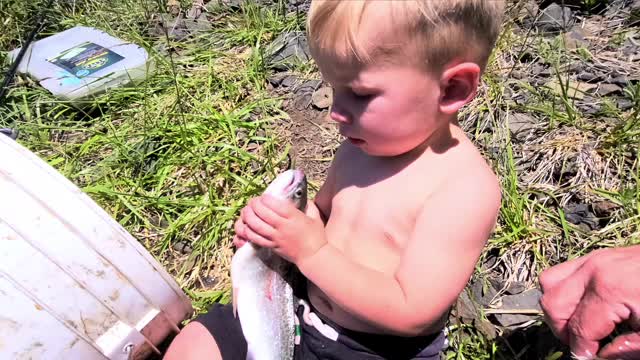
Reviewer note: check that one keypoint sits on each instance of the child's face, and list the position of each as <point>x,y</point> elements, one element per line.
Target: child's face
<point>386,110</point>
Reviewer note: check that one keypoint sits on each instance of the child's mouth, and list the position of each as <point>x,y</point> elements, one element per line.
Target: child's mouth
<point>356,141</point>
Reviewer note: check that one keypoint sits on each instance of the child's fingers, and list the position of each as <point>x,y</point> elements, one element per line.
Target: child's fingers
<point>258,239</point>
<point>256,223</point>
<point>238,227</point>
<point>238,242</point>
<point>276,207</point>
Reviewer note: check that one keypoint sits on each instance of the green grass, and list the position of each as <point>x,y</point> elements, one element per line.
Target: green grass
<point>174,158</point>
<point>533,232</point>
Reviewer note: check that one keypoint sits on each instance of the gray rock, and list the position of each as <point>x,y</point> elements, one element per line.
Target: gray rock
<point>521,125</point>
<point>309,86</point>
<point>604,208</point>
<point>625,104</point>
<point>528,300</point>
<point>630,50</point>
<point>620,80</point>
<point>287,50</point>
<point>486,328</point>
<point>482,292</point>
<point>466,309</point>
<point>322,98</point>
<point>515,288</point>
<point>555,18</point>
<point>302,100</point>
<point>518,74</point>
<point>494,152</point>
<point>608,89</point>
<point>241,135</point>
<point>231,4</point>
<point>289,81</point>
<point>575,38</point>
<point>631,45</point>
<point>581,215</point>
<point>615,9</point>
<point>276,79</point>
<point>587,76</point>
<point>577,67</point>
<point>11,133</point>
<point>301,6</point>
<point>195,26</point>
<point>209,281</point>
<point>174,27</point>
<point>540,70</point>
<point>183,247</point>
<point>530,9</point>
<point>589,105</point>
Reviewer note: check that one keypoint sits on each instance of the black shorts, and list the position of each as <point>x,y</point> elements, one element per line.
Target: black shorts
<point>314,344</point>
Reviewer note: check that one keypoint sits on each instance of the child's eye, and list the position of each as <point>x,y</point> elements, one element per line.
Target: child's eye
<point>361,95</point>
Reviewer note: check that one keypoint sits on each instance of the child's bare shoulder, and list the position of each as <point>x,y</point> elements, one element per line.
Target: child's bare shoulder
<point>466,182</point>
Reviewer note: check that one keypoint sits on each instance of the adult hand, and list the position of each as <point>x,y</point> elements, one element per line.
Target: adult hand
<point>585,298</point>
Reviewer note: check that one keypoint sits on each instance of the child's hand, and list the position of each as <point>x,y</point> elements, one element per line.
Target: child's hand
<point>238,241</point>
<point>276,223</point>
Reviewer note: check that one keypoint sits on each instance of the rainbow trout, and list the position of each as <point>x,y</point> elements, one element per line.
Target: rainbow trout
<point>262,285</point>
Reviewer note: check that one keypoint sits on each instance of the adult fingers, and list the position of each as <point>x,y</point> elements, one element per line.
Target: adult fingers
<point>559,302</point>
<point>594,319</point>
<point>625,346</point>
<point>554,275</point>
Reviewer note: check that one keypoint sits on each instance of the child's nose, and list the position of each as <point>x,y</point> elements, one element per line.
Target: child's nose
<point>339,112</point>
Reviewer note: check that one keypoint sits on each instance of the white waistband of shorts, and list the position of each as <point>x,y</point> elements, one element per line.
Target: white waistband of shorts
<point>312,319</point>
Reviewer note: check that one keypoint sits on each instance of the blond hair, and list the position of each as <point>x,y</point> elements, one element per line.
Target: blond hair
<point>439,30</point>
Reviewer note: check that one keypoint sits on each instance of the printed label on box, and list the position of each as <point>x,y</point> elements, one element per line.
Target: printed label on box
<point>85,59</point>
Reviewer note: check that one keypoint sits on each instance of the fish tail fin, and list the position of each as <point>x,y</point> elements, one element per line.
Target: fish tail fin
<point>234,300</point>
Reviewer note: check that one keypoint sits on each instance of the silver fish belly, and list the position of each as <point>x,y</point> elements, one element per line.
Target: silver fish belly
<point>262,294</point>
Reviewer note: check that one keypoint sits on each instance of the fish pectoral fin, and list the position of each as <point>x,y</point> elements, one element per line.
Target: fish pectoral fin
<point>234,297</point>
<point>269,285</point>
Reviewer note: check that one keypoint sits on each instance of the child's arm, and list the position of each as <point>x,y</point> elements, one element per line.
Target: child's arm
<point>437,262</point>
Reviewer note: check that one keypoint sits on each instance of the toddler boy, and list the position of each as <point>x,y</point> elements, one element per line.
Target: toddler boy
<point>395,231</point>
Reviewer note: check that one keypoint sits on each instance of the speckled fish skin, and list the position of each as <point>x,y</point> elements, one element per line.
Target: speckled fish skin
<point>262,295</point>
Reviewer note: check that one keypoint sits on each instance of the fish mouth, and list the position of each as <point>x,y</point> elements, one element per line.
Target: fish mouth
<point>296,177</point>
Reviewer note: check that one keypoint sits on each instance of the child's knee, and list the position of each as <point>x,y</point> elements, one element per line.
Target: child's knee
<point>193,342</point>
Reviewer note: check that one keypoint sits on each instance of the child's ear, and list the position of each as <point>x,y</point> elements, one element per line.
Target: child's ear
<point>458,86</point>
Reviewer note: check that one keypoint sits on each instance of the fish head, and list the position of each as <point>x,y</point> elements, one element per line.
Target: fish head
<point>290,185</point>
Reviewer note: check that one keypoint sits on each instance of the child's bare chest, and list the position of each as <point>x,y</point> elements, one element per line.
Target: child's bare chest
<point>372,223</point>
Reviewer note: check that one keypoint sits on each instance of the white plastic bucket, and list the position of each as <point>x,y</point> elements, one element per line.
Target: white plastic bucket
<point>73,283</point>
